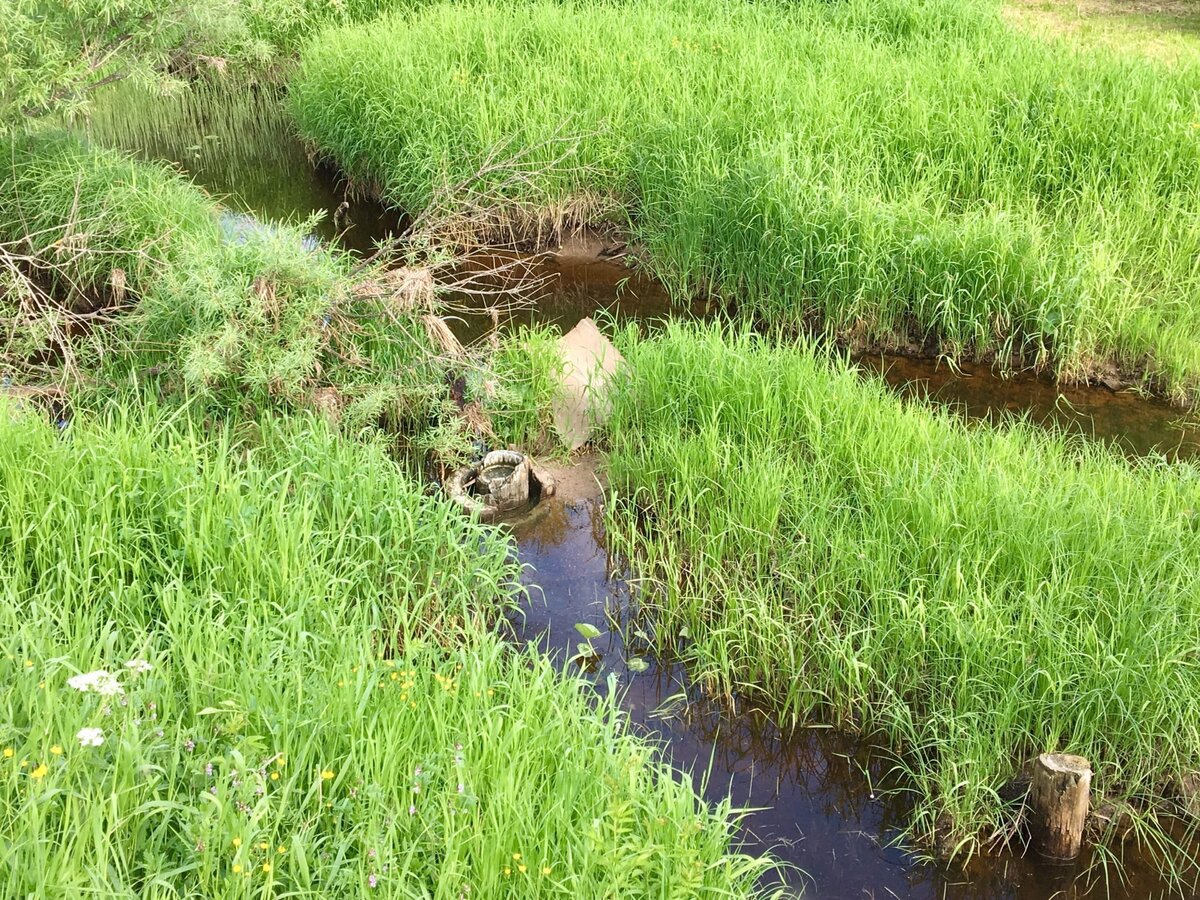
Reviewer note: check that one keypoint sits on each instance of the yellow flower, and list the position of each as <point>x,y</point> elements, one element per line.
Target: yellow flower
<point>546,870</point>
<point>274,776</point>
<point>39,773</point>
<point>29,663</point>
<point>391,663</point>
<point>237,842</point>
<point>282,761</point>
<point>521,868</point>
<point>56,750</point>
<point>266,867</point>
<point>281,849</point>
<point>507,870</point>
<point>326,774</point>
<point>24,764</point>
<point>8,752</point>
<point>341,683</point>
<point>395,675</point>
<point>237,868</point>
<point>263,845</point>
<point>517,856</point>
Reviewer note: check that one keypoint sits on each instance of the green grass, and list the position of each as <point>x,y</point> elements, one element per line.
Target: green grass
<point>887,169</point>
<point>252,319</point>
<point>972,596</point>
<point>99,210</point>
<point>524,372</point>
<point>322,683</point>
<point>231,138</point>
<point>1168,32</point>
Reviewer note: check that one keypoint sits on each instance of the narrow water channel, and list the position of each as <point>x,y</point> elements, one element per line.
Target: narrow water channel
<point>822,802</point>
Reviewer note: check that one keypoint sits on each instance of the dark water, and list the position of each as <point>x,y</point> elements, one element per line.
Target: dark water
<point>565,284</point>
<point>1132,424</point>
<point>825,805</point>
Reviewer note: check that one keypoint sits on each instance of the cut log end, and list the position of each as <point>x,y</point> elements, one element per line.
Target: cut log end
<point>1059,795</point>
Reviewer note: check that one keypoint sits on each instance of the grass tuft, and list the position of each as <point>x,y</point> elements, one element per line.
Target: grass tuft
<point>975,596</point>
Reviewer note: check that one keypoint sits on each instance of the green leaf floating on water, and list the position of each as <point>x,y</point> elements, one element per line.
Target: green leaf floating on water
<point>588,630</point>
<point>636,664</point>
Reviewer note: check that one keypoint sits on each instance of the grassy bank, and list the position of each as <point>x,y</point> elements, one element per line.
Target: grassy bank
<point>136,275</point>
<point>975,596</point>
<point>891,170</point>
<point>319,708</point>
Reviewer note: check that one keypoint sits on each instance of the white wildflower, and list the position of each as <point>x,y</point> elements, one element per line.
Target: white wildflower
<point>90,737</point>
<point>100,682</point>
<point>138,666</point>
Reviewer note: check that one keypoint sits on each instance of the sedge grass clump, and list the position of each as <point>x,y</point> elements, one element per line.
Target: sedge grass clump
<point>894,171</point>
<point>235,669</point>
<point>131,262</point>
<point>971,596</point>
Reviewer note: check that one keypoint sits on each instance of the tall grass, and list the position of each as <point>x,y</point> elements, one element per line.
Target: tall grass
<point>324,712</point>
<point>97,211</point>
<point>248,316</point>
<point>975,596</point>
<point>889,169</point>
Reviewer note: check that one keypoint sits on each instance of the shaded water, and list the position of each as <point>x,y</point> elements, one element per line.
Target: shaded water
<point>241,148</point>
<point>825,804</point>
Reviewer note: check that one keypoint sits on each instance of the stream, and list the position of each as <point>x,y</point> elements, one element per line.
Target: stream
<point>824,803</point>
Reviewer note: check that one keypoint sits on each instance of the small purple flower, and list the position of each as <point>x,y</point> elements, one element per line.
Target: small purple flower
<point>189,745</point>
<point>412,810</point>
<point>371,853</point>
<point>416,789</point>
<point>461,788</point>
<point>213,790</point>
<point>417,772</point>
<point>372,881</point>
<point>208,770</point>
<point>159,732</point>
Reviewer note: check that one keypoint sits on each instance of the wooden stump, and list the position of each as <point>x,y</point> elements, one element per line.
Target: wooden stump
<point>1058,805</point>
